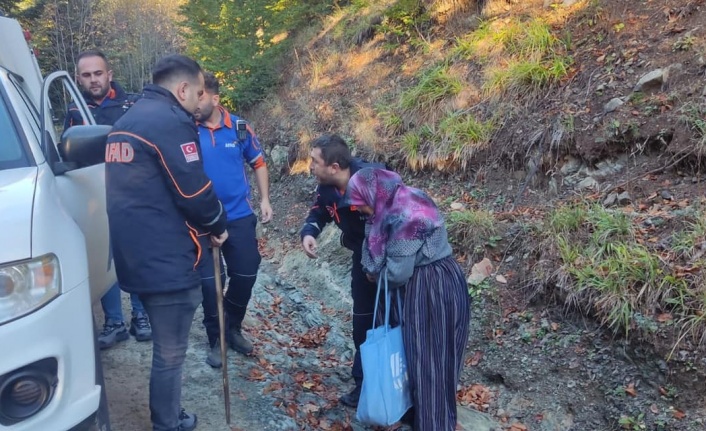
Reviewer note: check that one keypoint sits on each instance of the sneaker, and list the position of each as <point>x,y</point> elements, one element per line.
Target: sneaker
<point>213,358</point>
<point>237,342</point>
<point>113,333</point>
<point>187,421</point>
<point>351,398</point>
<point>140,327</point>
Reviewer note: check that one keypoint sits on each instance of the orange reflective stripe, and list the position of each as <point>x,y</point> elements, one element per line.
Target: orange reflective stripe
<point>164,162</point>
<point>259,163</point>
<point>193,233</point>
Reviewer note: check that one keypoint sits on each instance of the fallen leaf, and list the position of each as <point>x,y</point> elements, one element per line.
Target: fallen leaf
<point>678,414</point>
<point>508,311</point>
<point>555,326</point>
<point>500,279</point>
<point>475,360</point>
<point>664,317</point>
<point>310,408</point>
<point>630,390</point>
<point>518,427</point>
<point>654,409</point>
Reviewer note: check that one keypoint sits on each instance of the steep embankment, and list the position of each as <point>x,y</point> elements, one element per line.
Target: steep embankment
<point>564,140</point>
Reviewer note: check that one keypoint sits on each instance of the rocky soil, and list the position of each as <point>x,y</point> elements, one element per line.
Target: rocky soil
<point>527,367</point>
<point>622,131</point>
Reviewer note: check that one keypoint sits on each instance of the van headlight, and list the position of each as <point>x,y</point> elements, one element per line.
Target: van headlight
<point>27,286</point>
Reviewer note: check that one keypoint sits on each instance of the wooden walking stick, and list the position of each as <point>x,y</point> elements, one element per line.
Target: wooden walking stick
<point>222,330</point>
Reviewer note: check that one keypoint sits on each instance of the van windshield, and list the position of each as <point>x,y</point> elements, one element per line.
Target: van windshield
<point>12,152</point>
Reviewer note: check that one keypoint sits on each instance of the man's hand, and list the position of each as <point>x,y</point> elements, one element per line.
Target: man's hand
<point>218,241</point>
<point>309,245</point>
<point>265,211</point>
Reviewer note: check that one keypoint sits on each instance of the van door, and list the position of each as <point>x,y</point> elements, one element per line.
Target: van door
<point>81,189</point>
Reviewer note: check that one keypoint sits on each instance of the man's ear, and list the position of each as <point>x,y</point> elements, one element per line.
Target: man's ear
<point>216,100</point>
<point>181,90</point>
<point>336,166</point>
<point>110,75</point>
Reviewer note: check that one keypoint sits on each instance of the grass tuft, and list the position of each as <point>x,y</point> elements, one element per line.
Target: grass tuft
<point>608,272</point>
<point>471,229</point>
<point>434,85</point>
<point>519,55</point>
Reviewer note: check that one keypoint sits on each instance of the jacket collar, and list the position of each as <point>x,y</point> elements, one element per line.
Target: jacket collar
<point>225,120</point>
<point>153,91</point>
<point>116,92</point>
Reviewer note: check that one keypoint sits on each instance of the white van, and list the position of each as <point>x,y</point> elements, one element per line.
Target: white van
<point>54,248</point>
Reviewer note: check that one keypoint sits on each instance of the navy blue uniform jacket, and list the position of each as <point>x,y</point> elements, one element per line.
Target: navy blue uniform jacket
<point>158,196</point>
<point>329,207</point>
<point>115,104</point>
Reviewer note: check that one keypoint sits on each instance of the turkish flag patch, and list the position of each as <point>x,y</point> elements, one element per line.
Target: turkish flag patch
<point>191,153</point>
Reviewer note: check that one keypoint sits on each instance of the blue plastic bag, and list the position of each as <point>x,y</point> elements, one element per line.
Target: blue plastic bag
<point>385,396</point>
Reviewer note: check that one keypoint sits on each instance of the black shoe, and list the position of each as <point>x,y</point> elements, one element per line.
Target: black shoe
<point>140,327</point>
<point>113,333</point>
<point>237,342</point>
<point>351,398</point>
<point>187,421</point>
<point>213,357</point>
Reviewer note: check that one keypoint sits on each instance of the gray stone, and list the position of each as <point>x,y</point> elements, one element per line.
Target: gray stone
<point>610,200</point>
<point>279,156</point>
<point>665,194</point>
<point>624,198</point>
<point>655,221</point>
<point>612,105</point>
<point>571,166</point>
<point>474,420</point>
<point>588,183</point>
<point>313,319</point>
<point>556,421</point>
<point>553,187</point>
<point>606,168</point>
<point>650,80</point>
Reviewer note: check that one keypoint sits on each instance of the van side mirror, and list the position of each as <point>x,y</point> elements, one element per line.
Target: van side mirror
<point>83,146</point>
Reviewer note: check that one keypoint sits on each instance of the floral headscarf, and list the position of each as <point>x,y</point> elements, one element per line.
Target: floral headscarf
<point>404,216</point>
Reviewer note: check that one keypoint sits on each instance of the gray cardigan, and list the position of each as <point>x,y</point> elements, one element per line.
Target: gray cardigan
<point>401,261</point>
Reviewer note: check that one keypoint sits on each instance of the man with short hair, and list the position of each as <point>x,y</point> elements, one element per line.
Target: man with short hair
<point>333,165</point>
<point>108,102</point>
<point>228,144</point>
<point>159,199</point>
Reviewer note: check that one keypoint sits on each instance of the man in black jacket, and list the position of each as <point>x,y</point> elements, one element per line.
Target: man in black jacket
<point>105,98</point>
<point>159,198</point>
<point>333,165</point>
<point>108,102</point>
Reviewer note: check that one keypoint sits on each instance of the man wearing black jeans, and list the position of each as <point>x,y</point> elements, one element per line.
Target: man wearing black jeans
<point>158,199</point>
<point>228,143</point>
<point>333,165</point>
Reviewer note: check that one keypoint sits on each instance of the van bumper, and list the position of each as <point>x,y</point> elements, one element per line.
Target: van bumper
<point>61,331</point>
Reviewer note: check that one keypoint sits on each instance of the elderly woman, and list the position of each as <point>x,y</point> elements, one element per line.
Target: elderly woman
<point>406,237</point>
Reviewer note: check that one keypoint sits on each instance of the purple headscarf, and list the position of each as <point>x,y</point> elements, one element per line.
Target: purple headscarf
<point>404,216</point>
